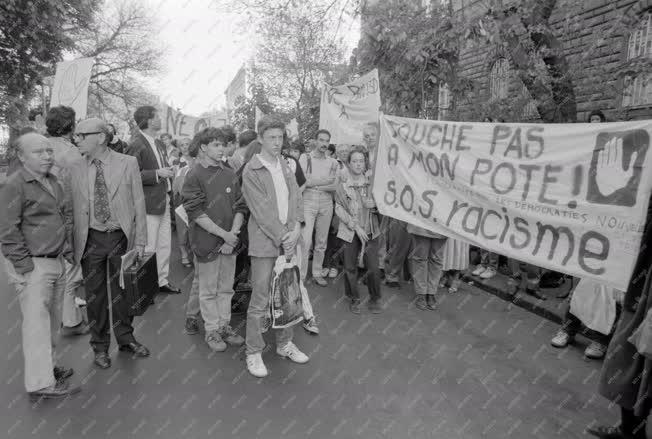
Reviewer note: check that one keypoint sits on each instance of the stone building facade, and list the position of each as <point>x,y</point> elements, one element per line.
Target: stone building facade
<point>608,44</point>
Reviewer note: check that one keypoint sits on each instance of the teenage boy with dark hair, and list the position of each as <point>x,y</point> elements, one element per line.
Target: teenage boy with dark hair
<point>273,197</point>
<point>215,208</point>
<point>244,139</point>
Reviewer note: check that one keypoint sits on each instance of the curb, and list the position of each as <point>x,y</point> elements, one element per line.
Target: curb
<point>531,305</point>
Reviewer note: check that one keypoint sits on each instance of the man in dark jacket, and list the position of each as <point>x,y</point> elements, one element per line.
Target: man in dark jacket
<point>156,175</point>
<point>116,144</point>
<point>626,377</point>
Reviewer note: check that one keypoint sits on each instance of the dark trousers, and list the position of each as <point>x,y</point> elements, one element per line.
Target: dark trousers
<point>351,252</point>
<point>399,249</point>
<point>102,258</point>
<point>633,425</point>
<point>573,326</point>
<point>334,250</point>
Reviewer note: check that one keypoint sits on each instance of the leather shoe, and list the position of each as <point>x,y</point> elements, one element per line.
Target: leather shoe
<point>71,331</point>
<point>62,373</point>
<point>137,349</point>
<point>102,360</point>
<point>59,390</point>
<point>535,294</point>
<point>169,289</point>
<point>608,433</point>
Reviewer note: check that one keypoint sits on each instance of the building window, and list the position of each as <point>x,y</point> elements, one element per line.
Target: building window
<point>499,79</point>
<point>638,87</point>
<point>530,112</point>
<point>444,102</point>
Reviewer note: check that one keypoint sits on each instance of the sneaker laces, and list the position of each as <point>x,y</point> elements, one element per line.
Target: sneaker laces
<point>228,330</point>
<point>290,348</point>
<point>213,336</point>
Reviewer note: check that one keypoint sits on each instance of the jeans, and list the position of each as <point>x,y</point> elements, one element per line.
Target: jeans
<point>334,251</point>
<point>216,291</point>
<point>192,306</point>
<point>159,241</point>
<point>261,276</point>
<point>426,259</point>
<point>351,252</point>
<point>41,299</point>
<point>72,314</point>
<point>400,244</point>
<point>317,212</point>
<point>308,313</point>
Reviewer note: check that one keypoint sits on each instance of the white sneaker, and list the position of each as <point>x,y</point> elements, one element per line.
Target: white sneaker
<point>595,351</point>
<point>311,326</point>
<point>488,273</point>
<point>561,339</point>
<point>292,352</point>
<point>478,270</point>
<point>332,273</point>
<point>324,272</point>
<point>255,365</point>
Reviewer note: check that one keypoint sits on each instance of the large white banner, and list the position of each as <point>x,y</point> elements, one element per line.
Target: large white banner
<point>568,197</point>
<point>71,85</point>
<point>346,109</point>
<point>178,124</point>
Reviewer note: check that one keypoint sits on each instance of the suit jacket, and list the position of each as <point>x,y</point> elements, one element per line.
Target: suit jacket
<point>155,190</point>
<point>126,200</point>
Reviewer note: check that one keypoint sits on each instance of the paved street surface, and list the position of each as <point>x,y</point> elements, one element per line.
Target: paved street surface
<point>477,368</point>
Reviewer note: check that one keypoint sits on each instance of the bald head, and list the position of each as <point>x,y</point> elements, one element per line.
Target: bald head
<point>35,153</point>
<point>92,136</point>
<point>31,140</point>
<point>93,125</point>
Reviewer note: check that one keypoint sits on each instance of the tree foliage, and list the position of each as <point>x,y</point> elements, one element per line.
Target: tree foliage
<point>33,36</point>
<point>415,48</point>
<point>244,112</point>
<point>299,45</point>
<point>122,41</point>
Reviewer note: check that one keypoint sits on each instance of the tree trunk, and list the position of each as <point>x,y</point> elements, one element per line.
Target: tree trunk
<point>559,104</point>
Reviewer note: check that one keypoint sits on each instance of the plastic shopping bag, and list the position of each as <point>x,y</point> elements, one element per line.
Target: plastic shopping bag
<point>286,306</point>
<point>595,305</point>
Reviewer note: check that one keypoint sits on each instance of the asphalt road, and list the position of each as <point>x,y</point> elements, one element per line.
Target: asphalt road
<point>476,368</point>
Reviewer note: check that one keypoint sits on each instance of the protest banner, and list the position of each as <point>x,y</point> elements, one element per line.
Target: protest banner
<point>568,197</point>
<point>71,85</point>
<point>178,124</point>
<point>345,109</point>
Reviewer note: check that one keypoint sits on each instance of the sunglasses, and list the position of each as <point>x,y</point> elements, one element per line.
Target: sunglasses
<point>82,136</point>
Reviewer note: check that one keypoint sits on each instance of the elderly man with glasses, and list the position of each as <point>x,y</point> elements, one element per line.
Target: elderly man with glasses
<point>109,220</point>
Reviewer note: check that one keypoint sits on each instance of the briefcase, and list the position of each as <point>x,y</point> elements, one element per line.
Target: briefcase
<point>141,284</point>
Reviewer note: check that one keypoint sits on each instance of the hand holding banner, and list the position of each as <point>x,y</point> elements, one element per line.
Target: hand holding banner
<point>569,197</point>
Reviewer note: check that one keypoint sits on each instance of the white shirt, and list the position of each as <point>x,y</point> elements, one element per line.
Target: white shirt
<point>280,187</point>
<point>152,144</point>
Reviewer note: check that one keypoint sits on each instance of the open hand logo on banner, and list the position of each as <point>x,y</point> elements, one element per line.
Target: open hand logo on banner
<point>616,167</point>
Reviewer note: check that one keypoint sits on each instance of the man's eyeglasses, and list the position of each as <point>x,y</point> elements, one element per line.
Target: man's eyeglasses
<point>82,136</point>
